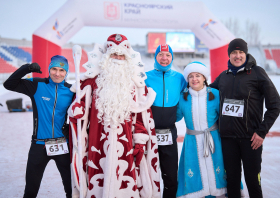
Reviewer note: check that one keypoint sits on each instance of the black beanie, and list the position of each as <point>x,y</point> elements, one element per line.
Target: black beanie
<point>237,44</point>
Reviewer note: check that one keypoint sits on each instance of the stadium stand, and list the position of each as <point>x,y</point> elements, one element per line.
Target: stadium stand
<point>5,67</point>
<point>258,53</point>
<point>27,49</point>
<point>276,56</point>
<point>19,53</point>
<point>268,54</point>
<point>4,57</point>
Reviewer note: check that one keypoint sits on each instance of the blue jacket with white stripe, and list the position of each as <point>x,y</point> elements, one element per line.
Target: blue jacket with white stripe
<point>50,102</point>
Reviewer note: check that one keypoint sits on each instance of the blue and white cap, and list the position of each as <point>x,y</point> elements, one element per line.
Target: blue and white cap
<point>59,61</point>
<point>165,48</point>
<point>196,67</point>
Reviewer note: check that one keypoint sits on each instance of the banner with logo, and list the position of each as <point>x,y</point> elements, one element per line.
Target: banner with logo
<point>76,14</point>
<point>200,47</point>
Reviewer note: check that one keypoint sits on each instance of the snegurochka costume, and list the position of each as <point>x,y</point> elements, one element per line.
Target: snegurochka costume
<point>168,84</point>
<point>108,161</point>
<point>201,169</point>
<point>50,102</point>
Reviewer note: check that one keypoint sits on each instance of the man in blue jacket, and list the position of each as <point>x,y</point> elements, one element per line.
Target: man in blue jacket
<point>50,98</point>
<point>168,84</point>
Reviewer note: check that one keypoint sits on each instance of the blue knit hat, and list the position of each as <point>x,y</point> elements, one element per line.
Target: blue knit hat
<point>59,61</point>
<point>165,48</point>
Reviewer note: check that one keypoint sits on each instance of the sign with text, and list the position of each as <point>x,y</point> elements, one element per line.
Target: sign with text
<point>154,40</point>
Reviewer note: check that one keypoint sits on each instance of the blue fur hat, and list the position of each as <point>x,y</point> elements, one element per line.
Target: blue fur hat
<point>196,67</point>
<point>59,61</point>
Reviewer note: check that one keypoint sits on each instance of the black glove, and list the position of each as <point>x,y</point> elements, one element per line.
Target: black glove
<point>34,67</point>
<point>65,130</point>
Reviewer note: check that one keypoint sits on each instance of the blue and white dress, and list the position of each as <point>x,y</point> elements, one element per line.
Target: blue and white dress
<point>198,175</point>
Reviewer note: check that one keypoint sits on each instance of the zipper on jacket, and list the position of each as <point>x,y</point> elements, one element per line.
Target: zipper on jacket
<point>247,110</point>
<point>35,127</point>
<point>54,111</point>
<point>221,112</point>
<point>232,93</point>
<point>163,90</point>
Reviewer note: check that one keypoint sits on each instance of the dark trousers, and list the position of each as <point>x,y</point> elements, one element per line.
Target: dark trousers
<point>36,164</point>
<point>237,150</point>
<point>168,159</point>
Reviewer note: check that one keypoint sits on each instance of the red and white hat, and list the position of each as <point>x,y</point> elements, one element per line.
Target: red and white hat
<point>117,43</point>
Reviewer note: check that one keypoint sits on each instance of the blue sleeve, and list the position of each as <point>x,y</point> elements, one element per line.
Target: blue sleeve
<point>179,113</point>
<point>183,83</point>
<point>218,104</point>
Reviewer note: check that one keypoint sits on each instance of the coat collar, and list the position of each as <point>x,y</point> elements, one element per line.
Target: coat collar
<point>201,92</point>
<point>251,62</point>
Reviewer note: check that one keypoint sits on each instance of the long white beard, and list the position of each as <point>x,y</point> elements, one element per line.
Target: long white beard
<point>114,92</point>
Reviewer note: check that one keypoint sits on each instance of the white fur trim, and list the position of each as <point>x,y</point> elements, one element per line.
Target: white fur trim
<point>148,122</point>
<point>139,71</point>
<point>199,108</point>
<point>140,138</point>
<point>86,92</point>
<point>143,102</point>
<point>122,48</point>
<point>73,87</point>
<point>94,56</point>
<point>196,67</point>
<point>91,73</point>
<point>78,111</point>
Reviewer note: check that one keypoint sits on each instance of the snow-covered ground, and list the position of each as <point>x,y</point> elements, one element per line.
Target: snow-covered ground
<point>16,131</point>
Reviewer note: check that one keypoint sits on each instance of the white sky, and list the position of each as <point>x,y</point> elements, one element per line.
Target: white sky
<point>19,19</point>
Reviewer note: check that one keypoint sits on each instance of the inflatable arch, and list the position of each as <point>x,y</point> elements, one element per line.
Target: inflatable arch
<point>75,14</point>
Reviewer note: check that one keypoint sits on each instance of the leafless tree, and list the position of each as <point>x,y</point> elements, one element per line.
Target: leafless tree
<point>233,26</point>
<point>251,32</point>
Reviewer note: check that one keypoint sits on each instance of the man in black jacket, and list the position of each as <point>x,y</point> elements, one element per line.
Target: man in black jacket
<point>243,88</point>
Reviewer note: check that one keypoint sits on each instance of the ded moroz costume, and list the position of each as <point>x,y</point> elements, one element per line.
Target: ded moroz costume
<point>115,110</point>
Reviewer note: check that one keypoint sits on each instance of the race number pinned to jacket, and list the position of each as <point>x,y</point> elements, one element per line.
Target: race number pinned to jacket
<point>56,146</point>
<point>164,137</point>
<point>232,107</point>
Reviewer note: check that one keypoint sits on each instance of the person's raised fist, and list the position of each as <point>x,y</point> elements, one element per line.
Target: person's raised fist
<point>34,67</point>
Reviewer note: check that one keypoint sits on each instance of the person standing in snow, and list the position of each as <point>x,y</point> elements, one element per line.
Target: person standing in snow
<point>201,168</point>
<point>243,88</point>
<point>119,152</point>
<point>168,84</point>
<point>50,98</point>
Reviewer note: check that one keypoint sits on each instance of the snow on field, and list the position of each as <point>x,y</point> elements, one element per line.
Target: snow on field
<point>16,131</point>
